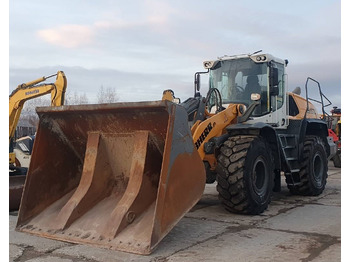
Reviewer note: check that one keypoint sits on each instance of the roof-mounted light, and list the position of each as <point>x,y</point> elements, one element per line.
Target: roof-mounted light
<point>259,58</point>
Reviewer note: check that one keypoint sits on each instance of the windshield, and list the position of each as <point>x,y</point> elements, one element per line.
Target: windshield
<point>238,79</point>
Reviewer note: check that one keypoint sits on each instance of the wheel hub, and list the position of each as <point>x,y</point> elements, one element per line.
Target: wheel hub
<point>259,176</point>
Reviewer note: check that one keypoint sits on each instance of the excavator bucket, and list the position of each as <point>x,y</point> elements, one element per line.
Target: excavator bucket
<point>119,176</point>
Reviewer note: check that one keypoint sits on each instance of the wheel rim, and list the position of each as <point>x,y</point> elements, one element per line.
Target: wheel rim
<point>259,176</point>
<point>318,167</point>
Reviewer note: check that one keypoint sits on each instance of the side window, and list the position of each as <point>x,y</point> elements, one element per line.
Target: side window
<point>280,96</point>
<point>239,80</point>
<point>293,108</point>
<point>279,100</point>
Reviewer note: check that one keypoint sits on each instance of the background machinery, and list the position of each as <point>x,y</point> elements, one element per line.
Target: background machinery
<point>17,99</point>
<point>122,175</point>
<point>334,129</point>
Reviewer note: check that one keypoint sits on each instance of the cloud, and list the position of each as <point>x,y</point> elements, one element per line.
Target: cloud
<point>68,36</point>
<point>77,36</point>
<point>149,21</point>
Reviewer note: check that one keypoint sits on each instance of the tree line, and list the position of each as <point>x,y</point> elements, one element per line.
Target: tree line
<point>104,95</point>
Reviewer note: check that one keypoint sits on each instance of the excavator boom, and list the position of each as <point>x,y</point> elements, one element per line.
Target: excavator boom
<point>32,90</point>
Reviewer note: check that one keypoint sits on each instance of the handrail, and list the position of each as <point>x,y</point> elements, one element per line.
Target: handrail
<point>322,95</point>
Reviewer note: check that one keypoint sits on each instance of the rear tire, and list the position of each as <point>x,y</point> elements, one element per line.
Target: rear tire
<point>337,160</point>
<point>313,172</point>
<point>245,174</point>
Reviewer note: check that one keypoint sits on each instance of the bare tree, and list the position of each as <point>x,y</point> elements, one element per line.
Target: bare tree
<point>75,98</point>
<point>28,112</point>
<point>108,95</point>
<point>29,115</point>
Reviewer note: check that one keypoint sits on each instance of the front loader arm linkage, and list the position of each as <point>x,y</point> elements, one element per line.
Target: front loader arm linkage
<point>214,126</point>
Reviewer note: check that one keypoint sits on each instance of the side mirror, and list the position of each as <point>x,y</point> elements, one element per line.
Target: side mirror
<point>274,90</point>
<point>197,81</point>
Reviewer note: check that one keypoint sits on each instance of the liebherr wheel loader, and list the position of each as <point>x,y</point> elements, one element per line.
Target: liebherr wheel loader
<point>121,176</point>
<point>249,129</point>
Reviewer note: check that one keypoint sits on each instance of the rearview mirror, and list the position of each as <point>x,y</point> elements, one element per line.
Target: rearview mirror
<point>197,81</point>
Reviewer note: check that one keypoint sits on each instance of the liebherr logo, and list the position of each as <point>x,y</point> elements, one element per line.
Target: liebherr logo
<point>205,133</point>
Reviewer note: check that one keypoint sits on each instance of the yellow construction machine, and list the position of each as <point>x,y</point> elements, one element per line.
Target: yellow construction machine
<point>17,99</point>
<point>121,175</point>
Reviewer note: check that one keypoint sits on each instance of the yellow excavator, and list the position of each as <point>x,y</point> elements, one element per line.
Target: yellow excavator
<point>121,175</point>
<point>17,99</point>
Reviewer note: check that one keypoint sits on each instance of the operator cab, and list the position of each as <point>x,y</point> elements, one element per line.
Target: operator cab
<point>241,79</point>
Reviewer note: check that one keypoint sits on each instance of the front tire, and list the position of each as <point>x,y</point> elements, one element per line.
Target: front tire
<point>245,174</point>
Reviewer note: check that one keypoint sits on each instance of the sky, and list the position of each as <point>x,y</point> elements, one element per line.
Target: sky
<point>140,48</point>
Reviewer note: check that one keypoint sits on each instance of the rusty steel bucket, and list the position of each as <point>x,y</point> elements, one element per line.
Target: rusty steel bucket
<point>119,176</point>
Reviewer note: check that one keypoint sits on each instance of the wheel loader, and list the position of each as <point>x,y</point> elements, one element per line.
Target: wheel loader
<point>121,175</point>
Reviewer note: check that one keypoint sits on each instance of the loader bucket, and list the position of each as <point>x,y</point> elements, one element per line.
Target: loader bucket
<point>119,176</point>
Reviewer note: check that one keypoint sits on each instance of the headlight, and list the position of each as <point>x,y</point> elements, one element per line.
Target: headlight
<point>260,58</point>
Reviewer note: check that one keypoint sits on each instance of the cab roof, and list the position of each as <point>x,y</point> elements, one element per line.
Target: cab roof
<point>257,58</point>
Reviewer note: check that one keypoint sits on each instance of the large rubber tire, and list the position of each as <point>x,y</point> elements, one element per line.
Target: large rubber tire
<point>314,167</point>
<point>337,160</point>
<point>245,174</point>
